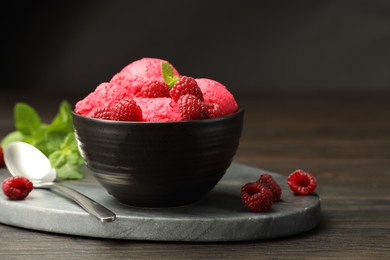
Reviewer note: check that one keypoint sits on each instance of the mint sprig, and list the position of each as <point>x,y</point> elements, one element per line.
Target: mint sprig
<point>56,140</point>
<point>168,74</point>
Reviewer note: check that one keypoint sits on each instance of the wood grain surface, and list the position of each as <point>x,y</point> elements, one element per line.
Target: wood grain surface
<point>344,140</point>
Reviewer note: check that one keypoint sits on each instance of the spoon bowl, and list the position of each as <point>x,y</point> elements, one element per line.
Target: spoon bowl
<point>23,159</point>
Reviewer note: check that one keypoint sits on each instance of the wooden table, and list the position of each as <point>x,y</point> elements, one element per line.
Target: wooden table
<point>344,140</point>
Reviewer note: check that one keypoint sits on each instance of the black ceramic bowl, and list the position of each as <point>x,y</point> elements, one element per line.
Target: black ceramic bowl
<point>150,164</point>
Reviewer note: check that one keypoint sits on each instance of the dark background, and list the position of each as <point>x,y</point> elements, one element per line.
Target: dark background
<point>250,46</point>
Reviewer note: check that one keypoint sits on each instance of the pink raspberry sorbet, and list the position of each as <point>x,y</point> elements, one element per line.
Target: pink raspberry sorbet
<point>133,77</point>
<point>215,92</point>
<point>136,74</point>
<point>105,95</point>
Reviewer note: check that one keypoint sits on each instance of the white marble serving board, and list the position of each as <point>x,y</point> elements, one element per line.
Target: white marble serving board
<point>220,216</point>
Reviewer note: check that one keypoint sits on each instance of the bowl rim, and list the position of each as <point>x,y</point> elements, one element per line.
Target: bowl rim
<point>238,112</point>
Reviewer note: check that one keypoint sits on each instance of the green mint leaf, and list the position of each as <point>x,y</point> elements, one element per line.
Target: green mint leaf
<point>12,137</point>
<point>63,121</point>
<point>166,70</point>
<point>26,118</point>
<point>57,140</point>
<point>38,139</point>
<point>46,141</point>
<point>67,160</point>
<point>168,74</point>
<point>48,138</point>
<point>55,133</point>
<point>69,172</point>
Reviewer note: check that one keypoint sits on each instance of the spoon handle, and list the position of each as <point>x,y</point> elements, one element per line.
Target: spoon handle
<point>88,204</point>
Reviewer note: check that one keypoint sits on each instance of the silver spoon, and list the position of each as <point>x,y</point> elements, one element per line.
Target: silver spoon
<point>23,159</point>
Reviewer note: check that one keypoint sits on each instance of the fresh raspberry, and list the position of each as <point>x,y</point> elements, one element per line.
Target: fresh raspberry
<point>214,109</point>
<point>102,113</point>
<point>154,89</point>
<point>192,108</point>
<point>185,85</point>
<point>268,181</point>
<point>126,110</point>
<point>302,183</point>
<point>17,187</point>
<point>256,198</point>
<point>2,163</point>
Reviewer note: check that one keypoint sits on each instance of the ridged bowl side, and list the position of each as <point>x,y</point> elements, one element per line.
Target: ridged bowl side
<point>158,164</point>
